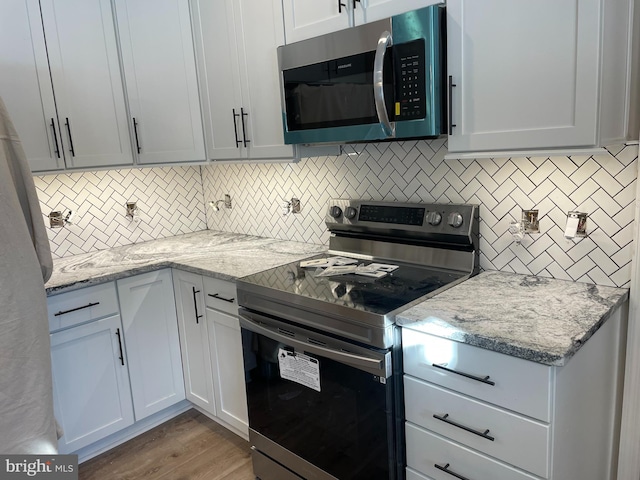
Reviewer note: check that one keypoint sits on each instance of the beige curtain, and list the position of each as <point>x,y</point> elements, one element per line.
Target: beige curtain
<point>27,425</point>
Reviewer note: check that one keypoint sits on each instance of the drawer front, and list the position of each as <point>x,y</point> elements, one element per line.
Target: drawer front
<point>515,384</point>
<point>80,306</point>
<point>514,439</point>
<point>413,475</point>
<point>221,295</point>
<point>425,450</point>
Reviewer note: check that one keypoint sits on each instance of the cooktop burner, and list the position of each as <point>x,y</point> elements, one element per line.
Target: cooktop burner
<point>379,296</point>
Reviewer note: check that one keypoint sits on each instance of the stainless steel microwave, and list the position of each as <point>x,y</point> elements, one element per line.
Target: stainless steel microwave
<point>378,81</point>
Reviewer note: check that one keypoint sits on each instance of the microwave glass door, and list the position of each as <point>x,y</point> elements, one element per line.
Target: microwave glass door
<point>335,93</point>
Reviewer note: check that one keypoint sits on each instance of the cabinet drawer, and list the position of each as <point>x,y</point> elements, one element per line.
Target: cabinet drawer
<point>515,384</point>
<point>516,440</point>
<point>425,450</point>
<point>413,475</point>
<point>72,308</point>
<point>221,295</point>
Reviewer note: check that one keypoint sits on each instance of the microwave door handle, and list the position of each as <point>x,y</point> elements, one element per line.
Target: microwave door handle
<point>388,128</point>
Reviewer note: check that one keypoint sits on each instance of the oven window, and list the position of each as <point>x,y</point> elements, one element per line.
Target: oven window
<point>335,93</point>
<point>346,429</point>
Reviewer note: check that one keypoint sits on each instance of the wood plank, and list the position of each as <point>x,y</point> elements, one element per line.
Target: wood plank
<point>190,446</point>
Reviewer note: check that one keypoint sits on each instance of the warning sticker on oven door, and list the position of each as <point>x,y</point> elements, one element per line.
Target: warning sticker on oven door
<point>299,368</point>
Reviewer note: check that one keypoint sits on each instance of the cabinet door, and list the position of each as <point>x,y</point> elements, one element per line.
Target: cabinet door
<point>525,73</point>
<point>379,9</point>
<point>229,380</point>
<point>262,33</point>
<point>219,71</point>
<point>194,341</point>
<point>305,19</point>
<point>92,398</point>
<point>25,84</point>
<point>85,70</point>
<point>160,73</point>
<point>147,306</point>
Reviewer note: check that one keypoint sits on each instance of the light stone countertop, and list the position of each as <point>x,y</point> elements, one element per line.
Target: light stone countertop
<point>543,320</point>
<point>222,255</point>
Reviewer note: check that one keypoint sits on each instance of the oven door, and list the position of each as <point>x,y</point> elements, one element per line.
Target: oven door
<point>321,407</point>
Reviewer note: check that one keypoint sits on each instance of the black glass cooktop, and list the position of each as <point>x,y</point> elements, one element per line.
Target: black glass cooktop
<point>376,295</point>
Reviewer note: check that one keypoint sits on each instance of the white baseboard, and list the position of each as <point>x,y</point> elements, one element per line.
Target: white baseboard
<point>243,435</point>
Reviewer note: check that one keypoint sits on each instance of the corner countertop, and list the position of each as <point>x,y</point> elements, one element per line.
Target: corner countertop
<point>543,320</point>
<point>223,255</point>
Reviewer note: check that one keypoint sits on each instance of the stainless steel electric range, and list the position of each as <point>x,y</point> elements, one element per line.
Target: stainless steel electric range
<point>322,352</point>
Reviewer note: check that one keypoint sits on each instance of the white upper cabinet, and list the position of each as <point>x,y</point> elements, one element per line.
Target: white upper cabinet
<point>236,45</point>
<point>522,77</point>
<point>306,19</point>
<point>85,70</point>
<point>161,83</point>
<point>25,84</point>
<point>379,9</point>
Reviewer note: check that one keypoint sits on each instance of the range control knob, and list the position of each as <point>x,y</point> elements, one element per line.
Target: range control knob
<point>455,220</point>
<point>350,213</point>
<point>335,211</point>
<point>434,218</point>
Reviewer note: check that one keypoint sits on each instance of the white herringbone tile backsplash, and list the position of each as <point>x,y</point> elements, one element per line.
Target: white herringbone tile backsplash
<point>169,199</point>
<point>603,186</point>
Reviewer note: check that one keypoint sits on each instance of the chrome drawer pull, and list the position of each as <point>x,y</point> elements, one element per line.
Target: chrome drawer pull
<point>468,375</point>
<point>445,418</point>
<point>75,309</point>
<point>450,472</point>
<point>217,295</point>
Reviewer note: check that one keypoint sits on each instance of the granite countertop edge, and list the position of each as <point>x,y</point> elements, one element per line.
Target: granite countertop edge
<point>444,324</point>
<point>76,272</point>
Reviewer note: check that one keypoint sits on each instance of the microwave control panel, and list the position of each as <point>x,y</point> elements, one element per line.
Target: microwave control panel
<point>410,80</point>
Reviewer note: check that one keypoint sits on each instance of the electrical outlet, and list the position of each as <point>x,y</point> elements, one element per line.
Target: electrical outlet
<point>295,205</point>
<point>530,223</point>
<point>227,200</point>
<point>132,209</point>
<point>56,220</point>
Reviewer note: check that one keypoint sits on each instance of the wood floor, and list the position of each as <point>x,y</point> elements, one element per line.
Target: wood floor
<point>188,447</point>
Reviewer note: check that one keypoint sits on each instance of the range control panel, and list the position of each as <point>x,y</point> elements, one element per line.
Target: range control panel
<point>396,217</point>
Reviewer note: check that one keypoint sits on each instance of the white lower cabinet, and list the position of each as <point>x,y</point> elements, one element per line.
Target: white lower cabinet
<point>212,348</point>
<point>480,415</point>
<point>194,341</point>
<point>225,342</point>
<point>151,340</point>
<point>109,373</point>
<point>92,396</point>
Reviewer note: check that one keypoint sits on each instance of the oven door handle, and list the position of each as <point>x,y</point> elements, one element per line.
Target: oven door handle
<point>376,366</point>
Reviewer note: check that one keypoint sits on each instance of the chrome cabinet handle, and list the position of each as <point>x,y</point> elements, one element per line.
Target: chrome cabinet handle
<point>451,124</point>
<point>216,295</point>
<point>484,379</point>
<point>235,127</point>
<point>76,309</point>
<point>66,122</point>
<point>388,127</point>
<point>450,472</point>
<point>55,138</point>
<point>121,357</point>
<point>135,131</point>
<point>244,135</point>
<point>195,304</point>
<point>445,418</point>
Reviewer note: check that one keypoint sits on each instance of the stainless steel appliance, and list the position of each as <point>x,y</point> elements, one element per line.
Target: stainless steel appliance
<point>324,379</point>
<point>381,80</point>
